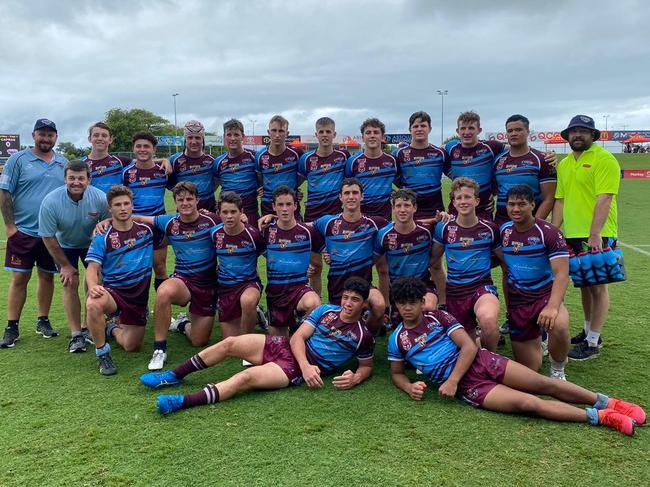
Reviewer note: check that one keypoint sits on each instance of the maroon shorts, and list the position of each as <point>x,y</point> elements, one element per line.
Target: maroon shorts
<point>203,297</point>
<point>278,351</point>
<point>463,308</point>
<point>522,317</point>
<point>487,370</point>
<point>23,251</point>
<point>228,301</point>
<point>282,307</point>
<point>131,307</point>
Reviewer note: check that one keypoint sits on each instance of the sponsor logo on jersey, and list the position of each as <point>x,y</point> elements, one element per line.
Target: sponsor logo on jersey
<point>328,317</point>
<point>516,246</point>
<point>231,248</point>
<point>534,240</point>
<point>466,241</point>
<point>130,242</point>
<point>284,243</point>
<point>485,235</point>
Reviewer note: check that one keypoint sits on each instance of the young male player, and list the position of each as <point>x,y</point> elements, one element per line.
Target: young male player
<point>537,261</point>
<point>289,246</point>
<point>521,164</point>
<point>66,221</point>
<point>236,169</point>
<point>435,343</point>
<point>237,246</point>
<point>328,338</point>
<point>195,166</point>
<point>468,243</point>
<point>324,170</point>
<point>277,163</point>
<point>118,279</point>
<point>148,181</point>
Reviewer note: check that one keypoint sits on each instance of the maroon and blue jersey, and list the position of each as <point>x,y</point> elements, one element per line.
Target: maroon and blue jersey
<point>237,255</point>
<point>126,257</point>
<point>238,173</point>
<point>476,163</point>
<point>406,254</point>
<point>198,170</point>
<point>421,170</point>
<point>106,172</point>
<point>288,253</point>
<point>276,171</point>
<point>468,253</point>
<point>196,257</point>
<point>148,186</point>
<point>530,169</point>
<point>350,246</point>
<point>334,341</point>
<point>377,176</point>
<point>528,257</point>
<point>428,347</point>
<point>324,176</point>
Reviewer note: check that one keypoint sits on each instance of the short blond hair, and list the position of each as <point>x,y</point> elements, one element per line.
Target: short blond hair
<point>463,182</point>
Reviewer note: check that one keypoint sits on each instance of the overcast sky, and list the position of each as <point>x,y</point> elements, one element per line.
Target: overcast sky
<point>72,61</point>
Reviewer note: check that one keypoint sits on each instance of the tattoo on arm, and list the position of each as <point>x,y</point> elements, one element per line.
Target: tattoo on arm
<point>7,207</point>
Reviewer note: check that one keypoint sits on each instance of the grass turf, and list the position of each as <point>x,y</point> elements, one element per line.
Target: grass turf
<point>61,423</point>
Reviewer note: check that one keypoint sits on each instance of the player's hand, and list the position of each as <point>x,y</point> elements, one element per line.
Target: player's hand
<point>327,257</point>
<point>417,390</point>
<point>67,274</point>
<point>11,230</point>
<point>344,381</point>
<point>595,242</point>
<point>265,221</point>
<point>244,219</point>
<point>165,165</point>
<point>102,226</point>
<point>448,388</point>
<point>442,216</point>
<point>96,291</point>
<point>311,271</point>
<point>547,316</point>
<point>551,157</point>
<point>299,195</point>
<point>312,377</point>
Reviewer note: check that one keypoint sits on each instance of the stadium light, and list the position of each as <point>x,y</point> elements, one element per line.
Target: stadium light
<point>442,94</point>
<point>174,95</point>
<point>253,124</point>
<point>605,117</point>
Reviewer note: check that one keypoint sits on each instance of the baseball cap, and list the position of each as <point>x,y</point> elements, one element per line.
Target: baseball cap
<point>584,122</point>
<point>44,123</point>
<point>194,127</point>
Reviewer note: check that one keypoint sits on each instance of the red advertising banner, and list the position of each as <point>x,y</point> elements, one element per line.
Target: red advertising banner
<point>636,173</point>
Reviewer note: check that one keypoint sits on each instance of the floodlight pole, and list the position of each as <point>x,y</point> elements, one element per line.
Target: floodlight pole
<point>442,94</point>
<point>174,95</point>
<point>605,117</point>
<point>253,124</point>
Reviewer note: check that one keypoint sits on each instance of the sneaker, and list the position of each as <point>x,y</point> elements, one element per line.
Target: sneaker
<point>106,365</point>
<point>180,319</point>
<point>619,422</point>
<point>43,327</point>
<point>77,344</point>
<point>157,361</point>
<point>628,409</point>
<point>10,338</point>
<point>88,338</point>
<point>582,351</point>
<point>166,404</point>
<point>262,320</point>
<point>557,374</point>
<point>582,336</point>
<point>153,380</point>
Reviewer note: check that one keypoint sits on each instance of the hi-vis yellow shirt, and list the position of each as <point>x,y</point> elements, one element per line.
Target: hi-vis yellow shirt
<point>580,182</point>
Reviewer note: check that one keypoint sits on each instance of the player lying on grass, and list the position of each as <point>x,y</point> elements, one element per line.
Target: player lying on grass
<point>435,343</point>
<point>327,339</point>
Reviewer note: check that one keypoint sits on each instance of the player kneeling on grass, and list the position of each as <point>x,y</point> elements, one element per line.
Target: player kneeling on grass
<point>327,339</point>
<point>435,343</point>
<point>118,278</point>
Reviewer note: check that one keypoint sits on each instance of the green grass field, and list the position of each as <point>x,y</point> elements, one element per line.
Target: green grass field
<point>61,423</point>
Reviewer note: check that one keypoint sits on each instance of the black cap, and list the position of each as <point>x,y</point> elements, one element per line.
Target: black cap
<point>44,123</point>
<point>584,122</point>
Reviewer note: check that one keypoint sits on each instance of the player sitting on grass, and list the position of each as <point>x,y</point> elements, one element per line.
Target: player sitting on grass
<point>435,343</point>
<point>327,339</point>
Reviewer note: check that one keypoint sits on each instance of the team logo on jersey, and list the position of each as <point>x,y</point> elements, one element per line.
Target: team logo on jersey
<point>418,160</point>
<point>472,393</point>
<point>284,243</point>
<point>466,241</point>
<point>392,241</point>
<point>145,181</point>
<point>534,240</point>
<point>374,170</point>
<point>467,159</point>
<point>100,170</point>
<point>132,177</point>
<point>347,234</point>
<point>516,246</point>
<point>451,233</point>
<point>220,237</point>
<point>326,167</point>
<point>130,242</point>
<point>265,158</point>
<point>407,153</point>
<point>231,248</point>
<point>506,236</point>
<point>404,340</point>
<point>175,229</point>
<point>188,234</point>
<point>277,166</point>
<point>328,318</point>
<point>233,167</point>
<point>313,164</point>
<point>406,247</point>
<point>501,163</point>
<point>362,166</point>
<point>337,227</point>
<point>195,169</point>
<point>273,232</point>
<point>115,240</point>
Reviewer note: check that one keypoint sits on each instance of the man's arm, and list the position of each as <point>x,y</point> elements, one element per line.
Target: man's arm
<point>558,212</point>
<point>311,373</point>
<point>468,351</point>
<point>548,199</point>
<point>601,211</point>
<point>66,270</point>
<point>547,316</point>
<point>93,280</point>
<point>399,378</point>
<point>349,379</point>
<point>7,207</point>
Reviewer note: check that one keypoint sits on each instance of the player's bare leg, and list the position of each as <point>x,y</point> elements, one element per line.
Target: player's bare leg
<point>528,353</point>
<point>377,308</point>
<point>268,376</point>
<point>172,291</point>
<point>382,272</point>
<point>72,304</point>
<point>430,302</point>
<point>439,278</point>
<point>160,263</point>
<point>96,310</point>
<point>599,297</point>
<point>316,263</point>
<point>198,331</point>
<point>44,292</point>
<point>129,337</point>
<point>559,339</point>
<point>486,310</point>
<point>248,302</point>
<point>230,328</point>
<point>17,294</point>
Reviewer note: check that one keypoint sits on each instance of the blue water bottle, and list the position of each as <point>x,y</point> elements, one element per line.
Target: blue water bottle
<point>620,275</point>
<point>588,276</point>
<point>598,265</point>
<point>574,269</point>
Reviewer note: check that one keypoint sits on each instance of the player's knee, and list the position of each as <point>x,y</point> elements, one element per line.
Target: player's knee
<point>164,295</point>
<point>311,302</point>
<point>249,302</point>
<point>94,306</point>
<point>19,280</point>
<point>199,340</point>
<point>529,404</point>
<point>244,379</point>
<point>130,346</point>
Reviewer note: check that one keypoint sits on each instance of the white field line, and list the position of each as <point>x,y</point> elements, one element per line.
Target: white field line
<point>634,247</point>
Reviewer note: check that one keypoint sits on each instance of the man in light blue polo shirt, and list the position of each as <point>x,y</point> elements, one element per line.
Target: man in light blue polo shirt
<point>28,176</point>
<point>67,218</point>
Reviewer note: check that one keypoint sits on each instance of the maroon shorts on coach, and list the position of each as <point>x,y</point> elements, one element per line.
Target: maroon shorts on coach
<point>23,251</point>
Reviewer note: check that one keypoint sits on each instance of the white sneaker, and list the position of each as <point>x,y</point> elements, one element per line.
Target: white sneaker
<point>545,347</point>
<point>557,374</point>
<point>418,372</point>
<point>157,361</point>
<point>245,363</point>
<point>180,319</point>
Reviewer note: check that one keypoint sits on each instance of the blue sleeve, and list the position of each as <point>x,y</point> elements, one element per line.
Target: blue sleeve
<point>160,222</point>
<point>321,225</point>
<point>348,167</point>
<point>315,315</point>
<point>378,248</point>
<point>438,233</point>
<point>97,251</point>
<point>302,164</point>
<point>394,353</point>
